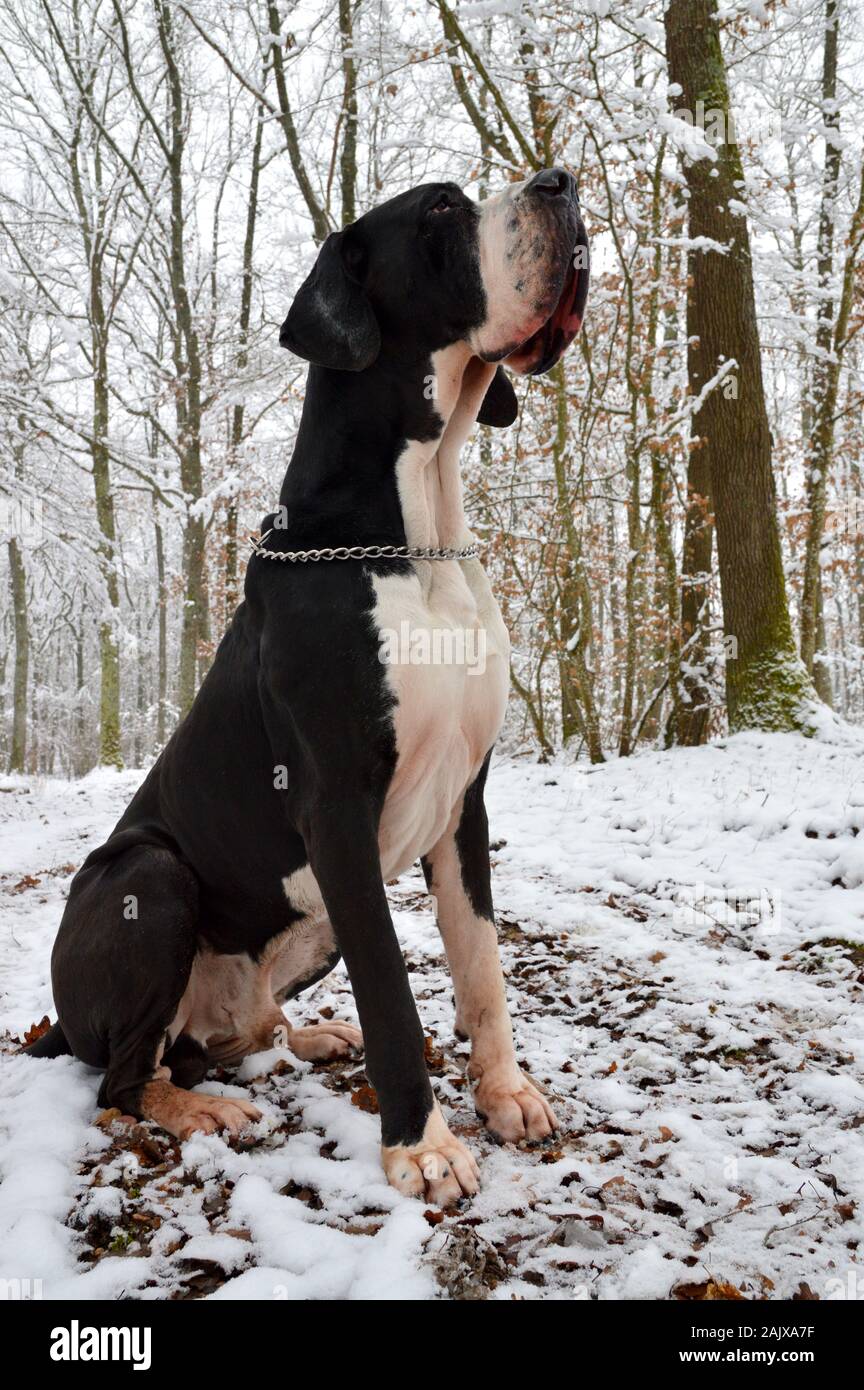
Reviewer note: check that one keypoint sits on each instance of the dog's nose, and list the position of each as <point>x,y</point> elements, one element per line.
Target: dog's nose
<point>553,183</point>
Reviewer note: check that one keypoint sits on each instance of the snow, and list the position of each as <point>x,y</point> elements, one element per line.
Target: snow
<point>683,936</point>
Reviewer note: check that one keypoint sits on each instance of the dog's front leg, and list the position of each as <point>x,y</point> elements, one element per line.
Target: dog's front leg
<point>421,1157</point>
<point>458,875</point>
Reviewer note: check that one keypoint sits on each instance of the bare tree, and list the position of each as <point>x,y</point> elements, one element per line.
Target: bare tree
<point>766,686</point>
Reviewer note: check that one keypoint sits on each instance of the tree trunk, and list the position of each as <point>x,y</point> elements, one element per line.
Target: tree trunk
<point>821,671</point>
<point>578,709</point>
<point>82,757</point>
<point>239,411</point>
<point>18,583</point>
<point>766,684</point>
<point>162,604</point>
<point>348,156</point>
<point>92,232</point>
<point>109,652</point>
<point>821,451</point>
<point>632,588</point>
<point>320,220</point>
<point>695,707</point>
<point>141,698</point>
<point>187,362</point>
<point>666,581</point>
<point>821,439</point>
<point>857,475</point>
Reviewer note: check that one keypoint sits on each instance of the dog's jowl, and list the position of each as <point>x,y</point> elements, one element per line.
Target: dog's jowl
<point>320,760</point>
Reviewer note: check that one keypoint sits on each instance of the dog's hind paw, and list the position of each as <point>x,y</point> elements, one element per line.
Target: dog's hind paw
<point>184,1113</point>
<point>322,1042</point>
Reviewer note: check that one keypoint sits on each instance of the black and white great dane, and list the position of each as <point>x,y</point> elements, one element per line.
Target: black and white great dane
<point>309,771</point>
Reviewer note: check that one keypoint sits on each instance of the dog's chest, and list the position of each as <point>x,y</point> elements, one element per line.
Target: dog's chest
<point>445,652</point>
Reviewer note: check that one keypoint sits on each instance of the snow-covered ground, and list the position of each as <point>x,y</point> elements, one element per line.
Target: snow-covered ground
<point>683,935</point>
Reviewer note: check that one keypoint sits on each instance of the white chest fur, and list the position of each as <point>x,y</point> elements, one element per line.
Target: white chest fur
<point>447,665</point>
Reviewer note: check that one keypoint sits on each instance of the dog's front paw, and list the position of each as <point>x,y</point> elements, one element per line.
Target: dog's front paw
<point>512,1107</point>
<point>439,1168</point>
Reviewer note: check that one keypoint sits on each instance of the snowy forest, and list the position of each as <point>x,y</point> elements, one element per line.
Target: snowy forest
<point>675,524</point>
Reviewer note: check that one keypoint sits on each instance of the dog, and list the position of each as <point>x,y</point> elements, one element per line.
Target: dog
<point>308,771</point>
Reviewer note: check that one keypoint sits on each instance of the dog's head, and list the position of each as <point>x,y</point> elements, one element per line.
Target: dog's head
<point>507,278</point>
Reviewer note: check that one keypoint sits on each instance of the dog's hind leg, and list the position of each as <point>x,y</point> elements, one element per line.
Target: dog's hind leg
<point>121,965</point>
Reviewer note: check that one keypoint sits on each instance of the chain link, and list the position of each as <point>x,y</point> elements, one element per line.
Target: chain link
<point>365,552</point>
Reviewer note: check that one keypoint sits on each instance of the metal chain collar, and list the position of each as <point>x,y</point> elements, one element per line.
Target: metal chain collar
<point>366,552</point>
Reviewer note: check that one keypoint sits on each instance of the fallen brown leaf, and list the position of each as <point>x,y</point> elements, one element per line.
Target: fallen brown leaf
<point>36,1030</point>
<point>710,1290</point>
<point>620,1190</point>
<point>106,1119</point>
<point>364,1098</point>
<point>28,881</point>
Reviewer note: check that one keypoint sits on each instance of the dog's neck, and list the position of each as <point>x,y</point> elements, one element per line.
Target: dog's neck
<point>376,459</point>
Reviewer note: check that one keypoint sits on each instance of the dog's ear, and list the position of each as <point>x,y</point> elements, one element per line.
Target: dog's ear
<point>331,322</point>
<point>500,406</point>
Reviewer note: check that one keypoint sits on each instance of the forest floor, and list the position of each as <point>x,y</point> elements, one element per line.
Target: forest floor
<point>683,937</point>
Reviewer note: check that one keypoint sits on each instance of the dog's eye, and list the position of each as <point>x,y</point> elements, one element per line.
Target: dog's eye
<point>443,205</point>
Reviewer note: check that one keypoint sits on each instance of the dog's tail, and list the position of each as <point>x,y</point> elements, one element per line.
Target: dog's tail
<point>52,1043</point>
